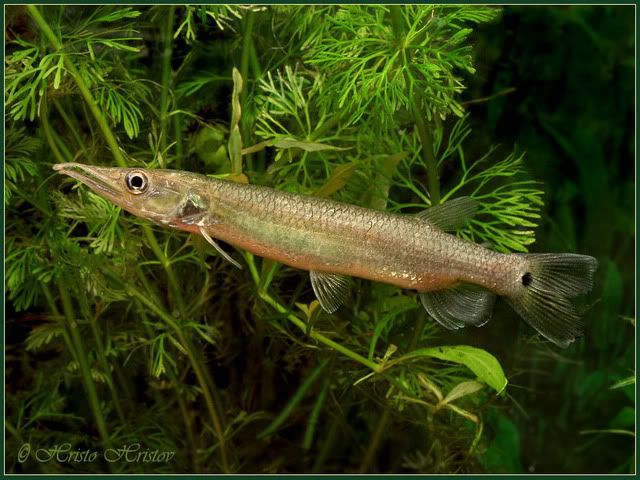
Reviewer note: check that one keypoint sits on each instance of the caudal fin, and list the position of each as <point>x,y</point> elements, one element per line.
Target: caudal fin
<point>544,296</point>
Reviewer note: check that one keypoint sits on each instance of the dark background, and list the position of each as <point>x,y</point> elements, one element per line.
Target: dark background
<point>572,110</point>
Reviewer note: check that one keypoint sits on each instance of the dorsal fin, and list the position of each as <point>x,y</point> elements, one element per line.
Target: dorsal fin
<point>459,306</point>
<point>330,288</point>
<point>450,215</point>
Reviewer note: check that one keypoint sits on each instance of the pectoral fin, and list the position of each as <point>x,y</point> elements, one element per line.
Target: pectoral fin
<point>208,238</point>
<point>459,306</point>
<point>330,288</point>
<point>450,215</point>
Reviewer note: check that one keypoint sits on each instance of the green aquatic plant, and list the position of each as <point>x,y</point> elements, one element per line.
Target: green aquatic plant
<point>146,335</point>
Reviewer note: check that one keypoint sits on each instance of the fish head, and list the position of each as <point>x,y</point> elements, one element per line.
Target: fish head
<point>167,197</point>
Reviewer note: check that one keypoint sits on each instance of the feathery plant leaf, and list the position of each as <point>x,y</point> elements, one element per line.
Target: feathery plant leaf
<point>99,214</point>
<point>43,335</point>
<point>95,44</point>
<point>19,163</point>
<point>26,73</point>
<point>289,119</point>
<point>510,202</point>
<point>374,71</point>
<point>21,264</point>
<point>223,16</point>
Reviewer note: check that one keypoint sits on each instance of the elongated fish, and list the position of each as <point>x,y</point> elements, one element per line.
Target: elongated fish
<point>457,280</point>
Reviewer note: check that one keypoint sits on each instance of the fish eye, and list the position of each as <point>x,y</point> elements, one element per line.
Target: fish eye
<point>136,182</point>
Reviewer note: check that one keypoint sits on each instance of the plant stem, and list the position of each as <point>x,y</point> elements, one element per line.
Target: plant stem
<point>166,77</point>
<point>247,43</point>
<point>177,135</point>
<point>326,445</point>
<point>58,147</point>
<point>82,86</point>
<point>257,74</point>
<point>255,63</point>
<point>16,434</point>
<point>13,431</point>
<point>85,369</point>
<point>54,308</point>
<point>381,429</point>
<point>113,144</point>
<point>191,442</point>
<point>97,337</point>
<point>303,326</point>
<point>429,158</point>
<point>209,400</point>
<point>426,139</point>
<point>378,368</point>
<point>179,395</point>
<point>166,265</point>
<point>49,134</point>
<point>385,418</point>
<point>70,124</point>
<point>197,368</point>
<point>111,140</point>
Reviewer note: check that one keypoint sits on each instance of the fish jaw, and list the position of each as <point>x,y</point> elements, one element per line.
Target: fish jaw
<point>103,181</point>
<point>165,191</point>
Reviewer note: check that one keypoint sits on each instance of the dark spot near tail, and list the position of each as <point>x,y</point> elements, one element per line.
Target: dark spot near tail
<point>527,279</point>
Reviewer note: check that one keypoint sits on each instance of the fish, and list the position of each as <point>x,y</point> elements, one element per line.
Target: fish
<point>457,281</point>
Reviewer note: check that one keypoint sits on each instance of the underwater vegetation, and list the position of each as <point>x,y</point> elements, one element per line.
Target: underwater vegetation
<point>131,348</point>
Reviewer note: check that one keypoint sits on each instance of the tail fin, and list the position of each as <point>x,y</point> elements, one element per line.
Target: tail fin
<point>543,299</point>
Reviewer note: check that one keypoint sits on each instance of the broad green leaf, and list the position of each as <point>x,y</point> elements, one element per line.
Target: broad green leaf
<point>304,145</point>
<point>235,139</point>
<point>58,75</point>
<point>233,177</point>
<point>624,383</point>
<point>461,390</point>
<point>479,361</point>
<point>625,418</point>
<point>502,455</point>
<point>385,168</point>
<point>616,431</point>
<point>119,14</point>
<point>338,179</point>
<point>463,413</point>
<point>208,144</point>
<point>235,146</point>
<point>236,109</point>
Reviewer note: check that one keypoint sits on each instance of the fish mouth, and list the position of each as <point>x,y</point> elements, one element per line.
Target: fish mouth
<point>100,179</point>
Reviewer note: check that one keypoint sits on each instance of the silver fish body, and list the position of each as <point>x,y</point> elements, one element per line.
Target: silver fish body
<point>457,280</point>
<point>328,236</point>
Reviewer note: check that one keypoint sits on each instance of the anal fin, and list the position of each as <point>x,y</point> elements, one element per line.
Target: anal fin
<point>330,288</point>
<point>457,307</point>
